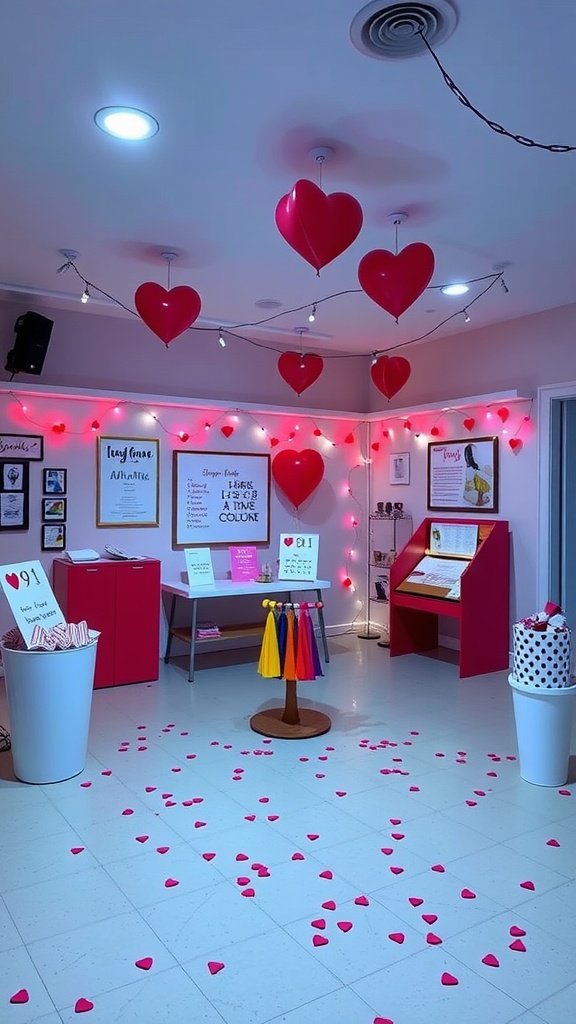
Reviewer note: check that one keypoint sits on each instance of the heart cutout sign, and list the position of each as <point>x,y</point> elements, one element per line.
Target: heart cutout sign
<point>167,313</point>
<point>390,374</point>
<point>12,580</point>
<point>300,371</point>
<point>317,226</point>
<point>395,282</point>
<point>298,474</point>
<point>288,541</point>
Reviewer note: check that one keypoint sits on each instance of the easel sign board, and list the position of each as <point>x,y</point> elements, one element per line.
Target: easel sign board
<point>199,567</point>
<point>436,577</point>
<point>30,597</point>
<point>298,557</point>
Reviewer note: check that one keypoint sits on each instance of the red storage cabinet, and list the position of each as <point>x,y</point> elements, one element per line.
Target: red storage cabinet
<point>122,601</point>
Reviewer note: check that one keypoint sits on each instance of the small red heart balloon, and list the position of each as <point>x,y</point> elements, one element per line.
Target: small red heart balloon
<point>395,282</point>
<point>298,474</point>
<point>274,441</point>
<point>390,373</point>
<point>469,423</point>
<point>515,444</point>
<point>503,413</point>
<point>349,439</point>
<point>318,227</point>
<point>300,371</point>
<point>167,314</point>
<point>227,431</point>
<point>375,446</point>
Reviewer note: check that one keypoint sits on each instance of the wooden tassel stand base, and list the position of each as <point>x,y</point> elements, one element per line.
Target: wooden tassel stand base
<point>290,722</point>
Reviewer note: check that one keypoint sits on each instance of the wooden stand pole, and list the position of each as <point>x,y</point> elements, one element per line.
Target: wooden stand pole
<point>290,722</point>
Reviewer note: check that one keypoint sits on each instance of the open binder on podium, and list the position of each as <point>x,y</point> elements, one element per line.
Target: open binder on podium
<point>451,548</point>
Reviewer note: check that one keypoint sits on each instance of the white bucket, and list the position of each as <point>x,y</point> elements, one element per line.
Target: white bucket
<point>49,701</point>
<point>544,732</point>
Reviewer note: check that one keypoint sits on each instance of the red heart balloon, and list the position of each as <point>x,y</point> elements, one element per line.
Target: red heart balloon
<point>469,423</point>
<point>167,314</point>
<point>298,474</point>
<point>317,226</point>
<point>227,431</point>
<point>395,282</point>
<point>300,371</point>
<point>390,373</point>
<point>515,444</point>
<point>503,413</point>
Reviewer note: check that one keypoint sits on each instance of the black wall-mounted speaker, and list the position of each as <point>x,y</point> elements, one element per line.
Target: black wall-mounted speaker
<point>31,344</point>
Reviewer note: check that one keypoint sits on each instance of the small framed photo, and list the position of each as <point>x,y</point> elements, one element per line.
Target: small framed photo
<point>13,494</point>
<point>400,468</point>
<point>54,538</point>
<point>54,510</point>
<point>54,481</point>
<point>13,476</point>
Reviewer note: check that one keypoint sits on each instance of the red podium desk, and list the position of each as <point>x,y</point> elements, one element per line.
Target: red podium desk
<point>482,610</point>
<point>121,599</point>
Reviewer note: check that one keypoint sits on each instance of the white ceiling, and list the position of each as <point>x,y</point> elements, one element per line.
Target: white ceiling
<point>243,91</point>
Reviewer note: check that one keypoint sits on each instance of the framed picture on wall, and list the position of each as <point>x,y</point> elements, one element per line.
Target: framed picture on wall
<point>54,481</point>
<point>22,447</point>
<point>127,481</point>
<point>220,498</point>
<point>13,494</point>
<point>53,510</point>
<point>463,475</point>
<point>54,537</point>
<point>400,468</point>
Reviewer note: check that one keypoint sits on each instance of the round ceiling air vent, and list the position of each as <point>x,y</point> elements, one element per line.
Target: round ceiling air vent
<point>394,31</point>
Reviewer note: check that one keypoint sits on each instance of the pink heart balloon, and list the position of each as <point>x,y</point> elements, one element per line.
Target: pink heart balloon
<point>298,474</point>
<point>317,226</point>
<point>167,313</point>
<point>395,282</point>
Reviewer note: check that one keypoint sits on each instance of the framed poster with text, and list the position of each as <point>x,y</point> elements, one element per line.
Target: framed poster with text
<point>127,482</point>
<point>463,475</point>
<point>220,498</point>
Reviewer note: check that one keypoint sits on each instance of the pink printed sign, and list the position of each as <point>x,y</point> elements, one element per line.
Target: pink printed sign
<point>244,564</point>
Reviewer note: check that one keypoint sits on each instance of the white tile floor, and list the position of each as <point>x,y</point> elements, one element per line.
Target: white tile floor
<point>385,792</point>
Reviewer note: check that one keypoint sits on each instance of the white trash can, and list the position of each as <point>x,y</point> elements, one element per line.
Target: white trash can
<point>544,731</point>
<point>49,701</point>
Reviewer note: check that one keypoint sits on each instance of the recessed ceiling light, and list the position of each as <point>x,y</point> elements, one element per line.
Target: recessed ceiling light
<point>454,289</point>
<point>126,123</point>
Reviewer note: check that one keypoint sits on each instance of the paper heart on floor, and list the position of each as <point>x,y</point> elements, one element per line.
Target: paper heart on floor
<point>312,836</point>
<point>326,874</point>
<point>319,923</point>
<point>248,892</point>
<point>467,894</point>
<point>397,937</point>
<point>199,824</point>
<point>344,926</point>
<point>448,979</point>
<point>396,870</point>
<point>416,901</point>
<point>433,940</point>
<point>329,905</point>
<point>145,963</point>
<point>362,901</point>
<point>272,817</point>
<point>340,792</point>
<point>85,785</point>
<point>170,883</point>
<point>518,946</point>
<point>297,856</point>
<point>528,885</point>
<point>83,1005</point>
<point>142,839</point>
<point>430,918</point>
<point>187,803</point>
<point>242,856</point>
<point>106,772</point>
<point>552,842</point>
<point>438,867</point>
<point>127,810</point>
<point>150,789</point>
<point>21,996</point>
<point>76,849</point>
<point>516,930</point>
<point>162,849</point>
<point>319,940</point>
<point>250,817</point>
<point>167,313</point>
<point>397,835</point>
<point>214,966</point>
<point>382,1020</point>
<point>472,803</point>
<point>386,850</point>
<point>490,960</point>
<point>243,880</point>
<point>208,856</point>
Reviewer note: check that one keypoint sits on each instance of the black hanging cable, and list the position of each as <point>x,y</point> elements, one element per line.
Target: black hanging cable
<point>463,99</point>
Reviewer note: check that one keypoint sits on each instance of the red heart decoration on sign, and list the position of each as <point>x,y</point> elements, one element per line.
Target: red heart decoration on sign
<point>390,373</point>
<point>288,541</point>
<point>469,423</point>
<point>300,371</point>
<point>515,444</point>
<point>298,474</point>
<point>167,313</point>
<point>227,431</point>
<point>318,227</point>
<point>395,282</point>
<point>12,580</point>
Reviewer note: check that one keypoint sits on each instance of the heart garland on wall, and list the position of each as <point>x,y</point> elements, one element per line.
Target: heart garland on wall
<point>300,371</point>
<point>390,374</point>
<point>317,226</point>
<point>298,474</point>
<point>395,282</point>
<point>167,313</point>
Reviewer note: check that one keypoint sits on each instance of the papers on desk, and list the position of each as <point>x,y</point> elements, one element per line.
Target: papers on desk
<point>298,556</point>
<point>436,577</point>
<point>199,567</point>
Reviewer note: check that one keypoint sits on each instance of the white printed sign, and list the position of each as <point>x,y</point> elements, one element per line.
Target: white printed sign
<point>298,556</point>
<point>199,567</point>
<point>30,597</point>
